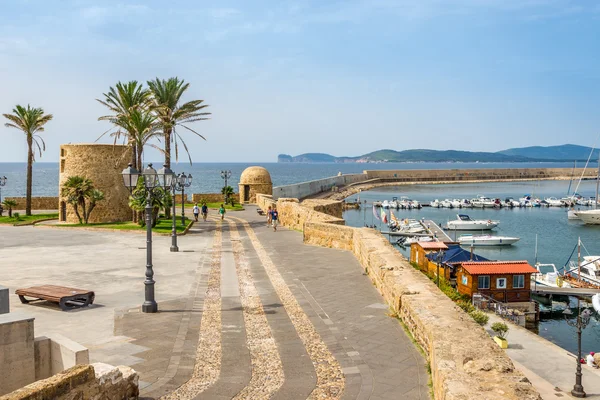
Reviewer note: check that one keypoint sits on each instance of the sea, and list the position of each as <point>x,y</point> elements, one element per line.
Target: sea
<point>556,236</point>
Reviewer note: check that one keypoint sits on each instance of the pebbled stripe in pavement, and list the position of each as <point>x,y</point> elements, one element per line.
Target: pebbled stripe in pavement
<point>330,379</point>
<point>267,369</point>
<point>208,353</point>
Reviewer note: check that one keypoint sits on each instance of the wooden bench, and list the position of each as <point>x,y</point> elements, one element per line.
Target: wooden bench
<point>67,298</point>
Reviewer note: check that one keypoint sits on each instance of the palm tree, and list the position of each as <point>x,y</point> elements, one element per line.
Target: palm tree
<point>31,121</point>
<point>122,100</point>
<point>141,127</point>
<point>10,204</point>
<point>77,189</point>
<point>228,192</point>
<point>166,97</point>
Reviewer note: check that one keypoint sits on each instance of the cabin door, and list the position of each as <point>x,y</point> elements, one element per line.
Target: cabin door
<point>63,211</point>
<point>246,193</point>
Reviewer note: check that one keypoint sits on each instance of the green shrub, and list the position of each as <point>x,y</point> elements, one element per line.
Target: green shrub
<point>501,329</point>
<point>467,306</point>
<point>480,317</point>
<point>17,216</point>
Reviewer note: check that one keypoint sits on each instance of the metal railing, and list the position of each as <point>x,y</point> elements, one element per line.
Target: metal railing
<point>486,303</point>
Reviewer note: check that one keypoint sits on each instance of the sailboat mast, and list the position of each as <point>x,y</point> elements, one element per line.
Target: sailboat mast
<point>579,259</point>
<point>597,182</point>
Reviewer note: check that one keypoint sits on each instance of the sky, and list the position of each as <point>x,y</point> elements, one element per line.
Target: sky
<point>338,77</point>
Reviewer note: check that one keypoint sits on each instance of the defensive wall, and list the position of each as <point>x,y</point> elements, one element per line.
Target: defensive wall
<point>374,178</point>
<point>465,362</point>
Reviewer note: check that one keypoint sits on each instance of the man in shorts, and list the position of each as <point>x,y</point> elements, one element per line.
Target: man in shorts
<point>275,218</point>
<point>204,211</point>
<point>196,212</point>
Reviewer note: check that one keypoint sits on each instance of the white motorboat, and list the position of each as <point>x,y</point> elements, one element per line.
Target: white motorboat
<point>590,269</point>
<point>596,302</point>
<point>548,275</point>
<point>572,214</point>
<point>510,202</point>
<point>554,202</point>
<point>464,203</point>
<point>447,203</point>
<point>435,204</point>
<point>486,240</point>
<point>393,204</point>
<point>377,204</point>
<point>415,239</point>
<point>456,203</point>
<point>385,204</point>
<point>465,223</point>
<point>483,202</point>
<point>589,217</point>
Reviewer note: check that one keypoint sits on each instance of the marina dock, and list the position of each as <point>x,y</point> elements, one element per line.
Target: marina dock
<point>436,231</point>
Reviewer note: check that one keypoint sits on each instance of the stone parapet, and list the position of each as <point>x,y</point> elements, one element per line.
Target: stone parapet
<point>37,203</point>
<point>213,197</point>
<point>465,362</point>
<point>84,382</point>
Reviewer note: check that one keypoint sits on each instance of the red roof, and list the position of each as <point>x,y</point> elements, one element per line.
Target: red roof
<point>498,267</point>
<point>433,245</point>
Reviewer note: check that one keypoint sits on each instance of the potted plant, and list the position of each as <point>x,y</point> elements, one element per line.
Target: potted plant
<point>501,330</point>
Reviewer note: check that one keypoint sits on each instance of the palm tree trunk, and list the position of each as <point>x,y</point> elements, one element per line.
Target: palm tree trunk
<point>133,156</point>
<point>167,133</point>
<point>29,174</point>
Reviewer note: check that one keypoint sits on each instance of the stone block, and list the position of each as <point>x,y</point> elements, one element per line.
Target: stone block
<point>42,357</point>
<point>65,353</point>
<point>16,351</point>
<point>4,300</point>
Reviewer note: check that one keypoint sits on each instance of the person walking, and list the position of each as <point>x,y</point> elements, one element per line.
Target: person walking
<point>222,212</point>
<point>591,361</point>
<point>269,216</point>
<point>204,211</point>
<point>275,218</point>
<point>196,212</point>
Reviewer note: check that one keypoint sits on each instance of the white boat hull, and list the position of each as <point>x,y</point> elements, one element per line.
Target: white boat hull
<point>471,225</point>
<point>596,302</point>
<point>590,217</point>
<point>487,241</point>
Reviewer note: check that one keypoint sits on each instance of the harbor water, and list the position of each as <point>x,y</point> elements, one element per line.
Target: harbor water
<point>556,236</point>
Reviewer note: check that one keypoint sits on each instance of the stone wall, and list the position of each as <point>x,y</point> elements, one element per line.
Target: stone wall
<point>459,174</point>
<point>37,203</point>
<point>294,215</point>
<point>306,189</point>
<point>83,382</point>
<point>465,362</point>
<point>213,197</point>
<point>103,164</point>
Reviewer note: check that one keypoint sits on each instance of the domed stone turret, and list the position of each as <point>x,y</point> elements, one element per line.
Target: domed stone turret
<point>253,181</point>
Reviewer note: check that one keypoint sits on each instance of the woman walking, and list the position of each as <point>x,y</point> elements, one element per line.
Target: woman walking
<point>204,211</point>
<point>269,216</point>
<point>222,212</point>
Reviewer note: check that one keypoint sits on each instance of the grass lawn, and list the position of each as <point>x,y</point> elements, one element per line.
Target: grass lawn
<point>216,206</point>
<point>163,226</point>
<point>25,219</point>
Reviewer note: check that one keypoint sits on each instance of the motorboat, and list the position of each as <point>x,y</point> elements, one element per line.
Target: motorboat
<point>464,203</point>
<point>385,204</point>
<point>416,239</point>
<point>377,204</point>
<point>435,204</point>
<point>548,275</point>
<point>572,214</point>
<point>483,202</point>
<point>393,204</point>
<point>589,217</point>
<point>510,202</point>
<point>486,240</point>
<point>554,202</point>
<point>456,203</point>
<point>464,223</point>
<point>589,267</point>
<point>447,203</point>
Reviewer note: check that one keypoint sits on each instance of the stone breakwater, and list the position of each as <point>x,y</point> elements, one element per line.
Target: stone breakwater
<point>465,362</point>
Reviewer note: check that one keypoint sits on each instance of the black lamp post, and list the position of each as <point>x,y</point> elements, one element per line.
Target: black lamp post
<point>183,181</point>
<point>225,175</point>
<point>152,181</point>
<point>2,183</point>
<point>174,247</point>
<point>583,319</point>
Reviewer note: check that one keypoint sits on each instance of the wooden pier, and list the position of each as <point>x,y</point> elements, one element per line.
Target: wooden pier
<point>546,290</point>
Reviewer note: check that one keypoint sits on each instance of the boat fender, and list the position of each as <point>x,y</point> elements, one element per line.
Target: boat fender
<point>559,281</point>
<point>596,302</point>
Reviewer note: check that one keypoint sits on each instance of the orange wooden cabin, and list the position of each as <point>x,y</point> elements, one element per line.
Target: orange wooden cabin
<point>504,281</point>
<point>419,250</point>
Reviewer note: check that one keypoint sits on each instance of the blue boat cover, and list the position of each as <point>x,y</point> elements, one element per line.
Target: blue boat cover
<point>456,254</point>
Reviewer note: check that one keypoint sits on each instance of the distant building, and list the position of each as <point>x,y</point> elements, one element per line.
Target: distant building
<point>503,281</point>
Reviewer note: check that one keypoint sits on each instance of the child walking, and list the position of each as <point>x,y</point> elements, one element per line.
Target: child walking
<point>222,212</point>
<point>275,218</point>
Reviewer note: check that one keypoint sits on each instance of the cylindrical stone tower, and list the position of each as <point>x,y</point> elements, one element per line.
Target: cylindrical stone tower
<point>253,181</point>
<point>103,164</point>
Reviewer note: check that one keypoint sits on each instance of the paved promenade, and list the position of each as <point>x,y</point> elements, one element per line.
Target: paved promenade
<point>245,312</point>
<point>550,368</point>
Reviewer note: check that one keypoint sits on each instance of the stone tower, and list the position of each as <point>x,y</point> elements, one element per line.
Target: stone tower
<point>254,180</point>
<point>103,164</point>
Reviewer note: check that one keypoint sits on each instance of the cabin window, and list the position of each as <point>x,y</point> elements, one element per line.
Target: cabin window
<point>483,282</point>
<point>585,271</point>
<point>501,283</point>
<point>518,281</point>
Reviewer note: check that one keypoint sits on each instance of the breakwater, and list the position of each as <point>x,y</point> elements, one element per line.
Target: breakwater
<point>344,185</point>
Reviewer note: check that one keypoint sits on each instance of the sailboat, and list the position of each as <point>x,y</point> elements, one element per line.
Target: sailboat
<point>591,217</point>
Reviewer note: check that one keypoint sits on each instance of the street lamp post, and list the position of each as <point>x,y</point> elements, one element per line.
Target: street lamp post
<point>225,175</point>
<point>183,181</point>
<point>174,248</point>
<point>2,183</point>
<point>582,320</point>
<point>152,181</point>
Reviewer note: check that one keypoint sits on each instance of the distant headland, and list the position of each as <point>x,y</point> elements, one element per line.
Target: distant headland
<point>562,153</point>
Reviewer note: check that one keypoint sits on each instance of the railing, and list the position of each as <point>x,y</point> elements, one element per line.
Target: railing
<point>487,303</point>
